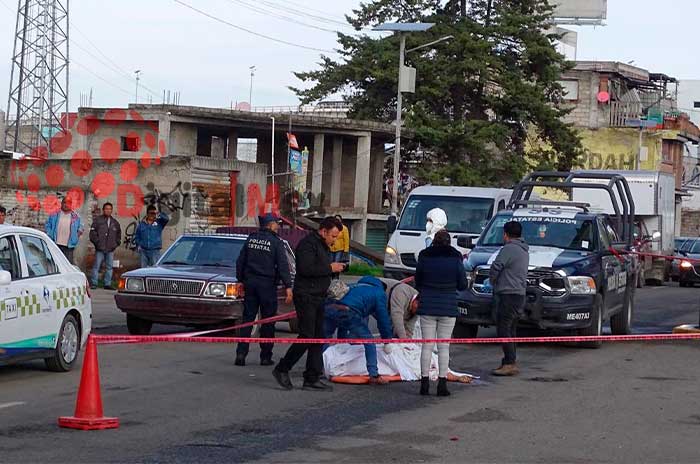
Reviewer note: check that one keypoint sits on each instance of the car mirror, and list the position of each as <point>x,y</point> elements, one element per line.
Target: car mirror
<point>464,241</point>
<point>5,278</point>
<point>391,223</point>
<point>656,236</point>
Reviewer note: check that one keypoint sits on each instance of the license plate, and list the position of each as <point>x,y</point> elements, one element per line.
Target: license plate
<point>463,311</point>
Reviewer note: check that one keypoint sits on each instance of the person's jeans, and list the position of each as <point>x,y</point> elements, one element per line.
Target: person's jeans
<point>105,257</point>
<point>436,327</point>
<point>509,310</point>
<point>260,295</point>
<point>149,257</point>
<point>67,252</point>
<point>310,316</point>
<point>350,325</point>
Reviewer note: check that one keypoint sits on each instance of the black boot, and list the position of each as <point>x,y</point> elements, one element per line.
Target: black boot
<point>442,387</point>
<point>425,386</point>
<point>240,359</point>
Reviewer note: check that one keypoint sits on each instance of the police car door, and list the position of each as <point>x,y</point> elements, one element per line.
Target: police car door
<point>39,286</point>
<point>615,277</point>
<point>15,328</point>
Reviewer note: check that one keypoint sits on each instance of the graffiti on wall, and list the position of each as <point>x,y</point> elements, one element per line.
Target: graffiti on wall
<point>614,161</point>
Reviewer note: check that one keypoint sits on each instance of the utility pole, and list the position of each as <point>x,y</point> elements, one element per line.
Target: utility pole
<point>250,93</point>
<point>397,142</point>
<point>137,72</point>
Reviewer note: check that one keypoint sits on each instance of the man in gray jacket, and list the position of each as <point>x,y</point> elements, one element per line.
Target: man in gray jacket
<point>508,275</point>
<point>403,305</point>
<point>106,235</point>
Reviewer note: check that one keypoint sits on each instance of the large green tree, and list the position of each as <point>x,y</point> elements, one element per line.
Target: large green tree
<point>479,96</point>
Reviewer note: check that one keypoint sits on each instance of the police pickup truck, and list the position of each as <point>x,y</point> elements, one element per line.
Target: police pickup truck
<point>580,273</point>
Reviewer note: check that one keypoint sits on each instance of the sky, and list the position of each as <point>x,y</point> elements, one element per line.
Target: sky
<point>181,50</point>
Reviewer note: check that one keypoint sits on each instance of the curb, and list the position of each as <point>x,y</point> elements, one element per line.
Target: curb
<point>687,328</point>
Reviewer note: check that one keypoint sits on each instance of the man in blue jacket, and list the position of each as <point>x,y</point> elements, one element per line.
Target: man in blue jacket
<point>149,236</point>
<point>349,316</point>
<point>65,228</point>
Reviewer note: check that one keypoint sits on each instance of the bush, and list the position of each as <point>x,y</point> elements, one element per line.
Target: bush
<point>363,269</point>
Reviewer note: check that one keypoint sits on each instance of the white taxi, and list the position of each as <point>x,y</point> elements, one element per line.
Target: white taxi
<point>45,307</point>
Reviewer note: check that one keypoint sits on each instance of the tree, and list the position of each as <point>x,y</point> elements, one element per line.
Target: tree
<point>479,96</point>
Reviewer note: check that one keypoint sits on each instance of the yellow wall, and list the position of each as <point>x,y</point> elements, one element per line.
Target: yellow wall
<point>612,148</point>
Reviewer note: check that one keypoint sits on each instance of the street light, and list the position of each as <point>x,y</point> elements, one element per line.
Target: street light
<point>407,81</point>
<point>250,94</point>
<point>138,73</point>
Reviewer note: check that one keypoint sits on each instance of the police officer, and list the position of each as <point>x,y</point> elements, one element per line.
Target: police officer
<point>261,264</point>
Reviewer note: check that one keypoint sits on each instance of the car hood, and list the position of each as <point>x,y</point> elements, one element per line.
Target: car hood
<point>186,272</point>
<point>540,257</point>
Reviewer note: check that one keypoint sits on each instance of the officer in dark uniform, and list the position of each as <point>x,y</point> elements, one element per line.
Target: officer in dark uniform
<point>261,264</point>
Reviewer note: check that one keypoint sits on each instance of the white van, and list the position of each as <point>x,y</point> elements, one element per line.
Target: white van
<point>468,211</point>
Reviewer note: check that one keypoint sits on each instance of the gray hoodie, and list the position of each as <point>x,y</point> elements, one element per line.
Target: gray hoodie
<point>508,272</point>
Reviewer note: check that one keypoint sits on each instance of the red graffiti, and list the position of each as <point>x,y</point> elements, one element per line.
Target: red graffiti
<point>272,193</point>
<point>123,193</point>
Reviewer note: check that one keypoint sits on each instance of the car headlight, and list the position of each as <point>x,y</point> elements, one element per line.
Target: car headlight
<point>391,256</point>
<point>220,290</point>
<point>135,284</point>
<point>686,265</point>
<point>582,285</point>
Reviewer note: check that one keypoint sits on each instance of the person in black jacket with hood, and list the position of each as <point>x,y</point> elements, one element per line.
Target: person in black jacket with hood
<point>313,277</point>
<point>439,274</point>
<point>261,264</point>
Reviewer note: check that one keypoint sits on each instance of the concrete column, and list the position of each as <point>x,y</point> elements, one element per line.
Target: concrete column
<point>376,183</point>
<point>232,145</point>
<point>317,174</point>
<point>358,230</point>
<point>362,172</point>
<point>336,177</point>
<point>164,135</point>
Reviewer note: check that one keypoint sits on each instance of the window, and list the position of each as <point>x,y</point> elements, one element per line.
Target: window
<point>202,251</point>
<point>464,214</point>
<point>567,233</point>
<point>696,104</point>
<point>612,234</point>
<point>603,236</point>
<point>9,258</point>
<point>130,143</point>
<point>39,259</point>
<point>570,90</point>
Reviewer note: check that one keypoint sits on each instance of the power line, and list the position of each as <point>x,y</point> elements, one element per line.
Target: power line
<point>223,21</point>
<point>280,16</point>
<point>305,13</point>
<point>330,16</point>
<point>128,92</point>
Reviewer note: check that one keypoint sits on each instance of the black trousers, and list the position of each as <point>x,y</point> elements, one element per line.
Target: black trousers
<point>310,315</point>
<point>509,309</point>
<point>67,252</point>
<point>260,295</point>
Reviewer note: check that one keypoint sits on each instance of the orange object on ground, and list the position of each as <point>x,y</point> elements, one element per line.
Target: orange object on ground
<point>361,379</point>
<point>88,408</point>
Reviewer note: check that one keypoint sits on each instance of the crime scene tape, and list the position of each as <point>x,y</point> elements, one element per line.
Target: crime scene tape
<point>269,320</point>
<point>116,339</point>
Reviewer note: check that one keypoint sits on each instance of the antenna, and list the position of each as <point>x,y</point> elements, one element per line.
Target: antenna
<point>39,76</point>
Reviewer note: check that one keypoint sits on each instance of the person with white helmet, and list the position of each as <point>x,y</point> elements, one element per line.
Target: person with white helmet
<point>436,220</point>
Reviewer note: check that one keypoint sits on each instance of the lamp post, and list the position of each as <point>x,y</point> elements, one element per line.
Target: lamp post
<point>250,93</point>
<point>407,81</point>
<point>138,74</point>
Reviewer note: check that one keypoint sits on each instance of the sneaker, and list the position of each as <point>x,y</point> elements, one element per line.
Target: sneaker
<point>266,362</point>
<point>282,379</point>
<point>93,287</point>
<point>240,360</point>
<point>378,380</point>
<point>316,386</point>
<point>506,370</point>
<point>442,387</point>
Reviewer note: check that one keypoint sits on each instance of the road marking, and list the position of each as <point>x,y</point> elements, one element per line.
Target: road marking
<point>9,405</point>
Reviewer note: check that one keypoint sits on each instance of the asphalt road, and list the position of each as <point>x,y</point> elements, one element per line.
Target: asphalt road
<point>631,402</point>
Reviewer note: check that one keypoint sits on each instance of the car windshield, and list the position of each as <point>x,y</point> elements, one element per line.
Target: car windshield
<point>568,233</point>
<point>464,214</point>
<point>696,247</point>
<point>203,251</point>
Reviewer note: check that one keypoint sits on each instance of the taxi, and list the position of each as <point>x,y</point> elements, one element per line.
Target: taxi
<point>45,303</point>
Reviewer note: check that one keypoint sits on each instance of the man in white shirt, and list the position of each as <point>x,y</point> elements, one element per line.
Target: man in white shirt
<point>65,228</point>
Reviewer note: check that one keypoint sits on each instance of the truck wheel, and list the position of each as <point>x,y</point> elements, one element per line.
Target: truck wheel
<point>138,326</point>
<point>621,323</point>
<point>596,327</point>
<point>67,346</point>
<point>465,330</point>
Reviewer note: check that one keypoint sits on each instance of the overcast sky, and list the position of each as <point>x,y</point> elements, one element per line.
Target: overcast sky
<point>181,50</point>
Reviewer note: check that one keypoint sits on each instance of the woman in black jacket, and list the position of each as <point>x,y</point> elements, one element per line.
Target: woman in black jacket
<point>439,274</point>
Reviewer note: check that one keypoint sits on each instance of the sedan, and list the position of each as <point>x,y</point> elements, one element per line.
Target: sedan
<point>193,284</point>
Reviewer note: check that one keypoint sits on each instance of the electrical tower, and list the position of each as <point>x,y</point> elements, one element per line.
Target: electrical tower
<point>39,77</point>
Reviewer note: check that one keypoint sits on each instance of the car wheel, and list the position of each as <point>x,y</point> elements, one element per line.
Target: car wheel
<point>138,326</point>
<point>67,346</point>
<point>621,323</point>
<point>462,330</point>
<point>596,327</point>
<point>294,325</point>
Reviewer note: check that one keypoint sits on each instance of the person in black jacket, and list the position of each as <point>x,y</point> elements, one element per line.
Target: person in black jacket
<point>261,264</point>
<point>313,277</point>
<point>439,274</point>
<point>106,235</point>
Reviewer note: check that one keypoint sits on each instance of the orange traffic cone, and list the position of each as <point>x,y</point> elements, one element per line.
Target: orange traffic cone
<point>88,408</point>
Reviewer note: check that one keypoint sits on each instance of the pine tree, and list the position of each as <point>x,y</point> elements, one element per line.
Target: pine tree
<point>479,96</point>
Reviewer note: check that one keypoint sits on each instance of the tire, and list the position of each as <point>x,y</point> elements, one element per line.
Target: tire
<point>138,326</point>
<point>294,325</point>
<point>67,346</point>
<point>621,323</point>
<point>462,330</point>
<point>596,327</point>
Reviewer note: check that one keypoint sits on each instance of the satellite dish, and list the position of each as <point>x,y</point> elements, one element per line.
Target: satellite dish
<point>603,97</point>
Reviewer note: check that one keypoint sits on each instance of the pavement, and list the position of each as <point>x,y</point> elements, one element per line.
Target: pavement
<point>625,402</point>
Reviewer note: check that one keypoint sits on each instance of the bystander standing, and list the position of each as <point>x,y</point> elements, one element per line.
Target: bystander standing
<point>65,228</point>
<point>106,235</point>
<point>149,236</point>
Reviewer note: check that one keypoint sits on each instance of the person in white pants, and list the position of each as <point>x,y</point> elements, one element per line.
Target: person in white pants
<point>439,274</point>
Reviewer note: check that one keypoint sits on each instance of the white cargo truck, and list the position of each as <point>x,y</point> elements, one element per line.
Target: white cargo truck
<point>654,208</point>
